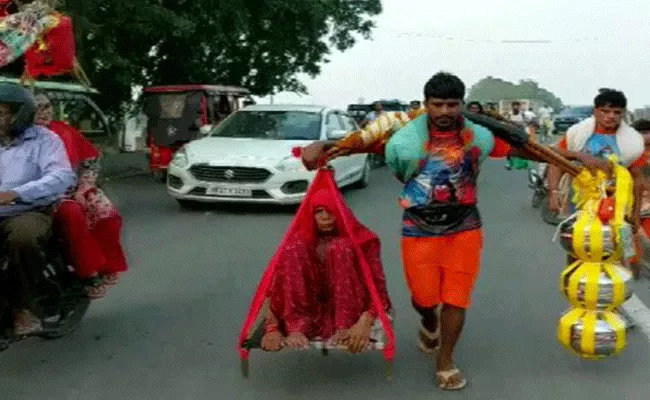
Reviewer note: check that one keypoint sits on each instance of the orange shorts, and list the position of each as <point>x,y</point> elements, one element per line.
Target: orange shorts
<point>442,269</point>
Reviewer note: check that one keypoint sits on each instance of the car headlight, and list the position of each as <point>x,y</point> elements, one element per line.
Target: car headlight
<point>180,159</point>
<point>290,164</point>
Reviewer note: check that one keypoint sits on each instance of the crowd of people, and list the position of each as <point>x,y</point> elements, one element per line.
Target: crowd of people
<point>48,185</point>
<point>436,153</point>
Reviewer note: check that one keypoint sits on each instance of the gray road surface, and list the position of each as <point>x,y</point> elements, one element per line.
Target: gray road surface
<point>168,330</point>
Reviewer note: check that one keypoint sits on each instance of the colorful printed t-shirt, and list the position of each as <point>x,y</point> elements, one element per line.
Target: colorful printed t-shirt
<point>442,199</point>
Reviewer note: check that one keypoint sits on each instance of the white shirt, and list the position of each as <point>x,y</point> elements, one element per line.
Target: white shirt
<point>529,116</point>
<point>545,112</point>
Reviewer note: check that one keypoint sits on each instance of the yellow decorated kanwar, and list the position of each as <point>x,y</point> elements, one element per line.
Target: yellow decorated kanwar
<point>597,283</point>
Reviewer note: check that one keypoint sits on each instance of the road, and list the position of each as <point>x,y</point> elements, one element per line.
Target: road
<point>167,331</point>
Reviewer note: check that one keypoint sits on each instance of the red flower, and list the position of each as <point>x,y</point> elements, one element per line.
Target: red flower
<point>467,135</point>
<point>442,193</point>
<point>466,195</point>
<point>296,152</point>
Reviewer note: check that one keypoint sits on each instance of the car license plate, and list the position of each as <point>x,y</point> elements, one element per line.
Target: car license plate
<point>229,192</point>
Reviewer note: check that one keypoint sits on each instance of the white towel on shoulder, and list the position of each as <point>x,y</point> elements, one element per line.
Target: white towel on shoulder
<point>629,141</point>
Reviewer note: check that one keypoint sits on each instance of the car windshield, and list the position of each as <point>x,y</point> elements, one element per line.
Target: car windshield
<point>393,107</point>
<point>577,112</point>
<point>271,125</point>
<point>165,105</point>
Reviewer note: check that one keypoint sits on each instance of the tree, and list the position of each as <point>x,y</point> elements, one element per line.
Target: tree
<point>495,89</point>
<point>260,44</point>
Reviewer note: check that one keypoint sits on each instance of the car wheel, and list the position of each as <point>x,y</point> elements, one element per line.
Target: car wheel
<point>188,204</point>
<point>364,181</point>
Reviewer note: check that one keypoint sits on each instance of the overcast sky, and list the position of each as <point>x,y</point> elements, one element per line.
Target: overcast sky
<point>582,45</point>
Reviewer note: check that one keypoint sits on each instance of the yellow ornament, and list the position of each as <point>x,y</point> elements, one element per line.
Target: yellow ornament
<point>596,286</point>
<point>592,335</point>
<point>586,238</point>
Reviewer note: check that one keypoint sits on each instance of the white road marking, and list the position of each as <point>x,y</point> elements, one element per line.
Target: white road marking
<point>639,313</point>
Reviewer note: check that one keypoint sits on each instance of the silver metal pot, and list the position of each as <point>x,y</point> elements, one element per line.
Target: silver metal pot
<point>605,334</point>
<point>605,287</point>
<point>567,230</point>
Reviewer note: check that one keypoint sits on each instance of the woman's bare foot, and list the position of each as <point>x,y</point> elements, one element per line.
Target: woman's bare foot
<point>97,292</point>
<point>338,339</point>
<point>111,279</point>
<point>297,340</point>
<point>272,341</point>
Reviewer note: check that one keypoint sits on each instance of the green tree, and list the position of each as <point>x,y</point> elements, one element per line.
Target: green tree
<point>495,89</point>
<point>260,44</point>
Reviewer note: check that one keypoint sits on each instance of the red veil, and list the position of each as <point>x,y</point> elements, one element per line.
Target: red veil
<point>79,148</point>
<point>322,192</point>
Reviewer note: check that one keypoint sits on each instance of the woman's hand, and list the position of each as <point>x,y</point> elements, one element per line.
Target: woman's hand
<point>358,337</point>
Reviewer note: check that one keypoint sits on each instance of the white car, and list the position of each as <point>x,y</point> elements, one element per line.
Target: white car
<point>248,157</point>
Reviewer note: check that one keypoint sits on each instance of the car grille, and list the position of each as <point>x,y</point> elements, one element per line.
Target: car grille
<point>208,173</point>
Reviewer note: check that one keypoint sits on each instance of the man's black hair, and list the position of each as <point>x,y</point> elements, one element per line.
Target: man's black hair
<point>475,103</point>
<point>610,98</point>
<point>444,85</point>
<point>516,103</point>
<point>642,125</point>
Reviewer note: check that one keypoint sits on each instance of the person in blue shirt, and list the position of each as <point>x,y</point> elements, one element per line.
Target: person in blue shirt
<point>34,174</point>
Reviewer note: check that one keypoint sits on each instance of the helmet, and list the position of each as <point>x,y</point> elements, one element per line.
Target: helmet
<point>22,105</point>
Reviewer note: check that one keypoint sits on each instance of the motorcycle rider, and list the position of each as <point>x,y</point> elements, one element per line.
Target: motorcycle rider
<point>34,174</point>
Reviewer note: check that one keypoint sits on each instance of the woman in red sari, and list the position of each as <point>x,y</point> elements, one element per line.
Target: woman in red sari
<point>86,218</point>
<point>318,291</point>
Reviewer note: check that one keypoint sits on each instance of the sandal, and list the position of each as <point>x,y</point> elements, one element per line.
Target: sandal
<point>97,292</point>
<point>26,323</point>
<point>428,342</point>
<point>111,279</point>
<point>445,376</point>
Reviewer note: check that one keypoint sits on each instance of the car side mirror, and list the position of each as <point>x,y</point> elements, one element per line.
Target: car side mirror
<point>337,134</point>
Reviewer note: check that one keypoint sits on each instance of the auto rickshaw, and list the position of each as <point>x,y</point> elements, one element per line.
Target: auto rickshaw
<point>182,113</point>
<point>73,103</point>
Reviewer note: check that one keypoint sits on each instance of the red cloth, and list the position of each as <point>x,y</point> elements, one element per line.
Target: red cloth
<point>58,54</point>
<point>4,7</point>
<point>324,180</point>
<point>320,297</point>
<point>87,220</point>
<point>90,251</point>
<point>76,145</point>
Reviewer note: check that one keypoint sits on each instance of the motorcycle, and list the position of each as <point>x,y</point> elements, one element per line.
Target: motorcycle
<point>61,298</point>
<point>537,181</point>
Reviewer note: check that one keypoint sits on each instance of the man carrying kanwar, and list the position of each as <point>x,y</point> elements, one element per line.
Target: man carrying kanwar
<point>437,157</point>
<point>603,135</point>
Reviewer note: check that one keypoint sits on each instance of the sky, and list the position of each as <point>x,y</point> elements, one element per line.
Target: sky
<point>580,46</point>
